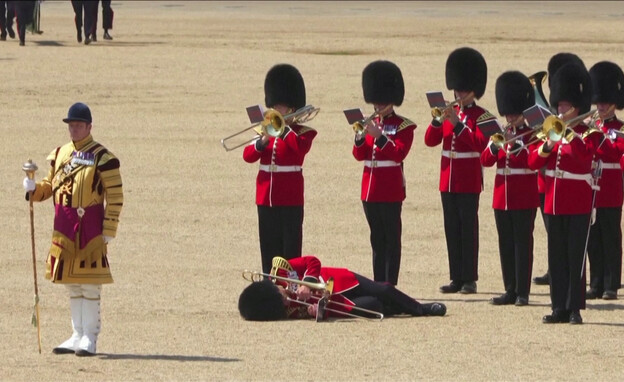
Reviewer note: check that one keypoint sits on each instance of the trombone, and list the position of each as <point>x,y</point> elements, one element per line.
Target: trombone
<point>499,139</point>
<point>273,124</point>
<point>325,289</point>
<point>437,112</point>
<point>359,127</point>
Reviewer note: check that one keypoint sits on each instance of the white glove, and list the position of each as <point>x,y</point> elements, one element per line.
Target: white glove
<point>107,239</point>
<point>29,184</point>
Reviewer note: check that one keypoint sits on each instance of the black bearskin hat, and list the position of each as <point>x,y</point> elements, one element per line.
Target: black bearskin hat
<point>514,93</point>
<point>261,301</point>
<point>560,59</point>
<point>284,85</point>
<point>607,81</point>
<point>571,83</point>
<point>382,83</point>
<point>466,70</point>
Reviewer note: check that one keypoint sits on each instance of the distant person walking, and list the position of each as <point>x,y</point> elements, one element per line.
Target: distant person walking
<point>24,11</point>
<point>7,14</point>
<point>88,9</point>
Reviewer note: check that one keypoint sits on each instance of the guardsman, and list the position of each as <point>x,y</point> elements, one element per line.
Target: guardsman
<point>461,174</point>
<point>605,237</point>
<point>383,147</point>
<point>569,191</point>
<point>515,198</point>
<point>85,17</point>
<point>554,63</point>
<point>85,184</point>
<point>279,184</point>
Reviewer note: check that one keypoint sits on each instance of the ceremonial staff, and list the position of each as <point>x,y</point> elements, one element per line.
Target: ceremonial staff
<point>30,168</point>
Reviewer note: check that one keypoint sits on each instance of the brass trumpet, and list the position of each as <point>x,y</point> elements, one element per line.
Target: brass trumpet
<point>438,112</point>
<point>273,124</point>
<point>554,127</point>
<point>359,127</point>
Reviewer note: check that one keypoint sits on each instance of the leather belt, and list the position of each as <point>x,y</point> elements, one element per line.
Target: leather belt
<point>277,168</point>
<point>456,155</point>
<point>514,171</point>
<point>380,163</point>
<point>568,175</point>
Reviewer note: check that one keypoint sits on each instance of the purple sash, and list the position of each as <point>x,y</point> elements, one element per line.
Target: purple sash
<point>67,222</point>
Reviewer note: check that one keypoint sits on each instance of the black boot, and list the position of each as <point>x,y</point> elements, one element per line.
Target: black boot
<point>107,36</point>
<point>79,36</point>
<point>542,280</point>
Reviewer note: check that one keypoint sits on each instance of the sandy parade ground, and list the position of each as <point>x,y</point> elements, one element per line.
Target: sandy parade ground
<point>174,81</point>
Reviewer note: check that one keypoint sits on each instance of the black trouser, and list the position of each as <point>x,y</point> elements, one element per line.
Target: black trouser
<point>567,236</point>
<point>383,298</point>
<point>461,227</point>
<point>384,221</point>
<point>24,11</point>
<point>90,9</point>
<point>7,13</point>
<point>107,15</point>
<point>605,250</point>
<point>281,233</point>
<point>515,245</point>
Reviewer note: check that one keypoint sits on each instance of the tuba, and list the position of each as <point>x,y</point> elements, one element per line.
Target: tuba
<point>537,80</point>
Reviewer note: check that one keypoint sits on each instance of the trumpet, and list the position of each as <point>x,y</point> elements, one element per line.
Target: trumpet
<point>325,289</point>
<point>273,124</point>
<point>359,127</point>
<point>438,112</point>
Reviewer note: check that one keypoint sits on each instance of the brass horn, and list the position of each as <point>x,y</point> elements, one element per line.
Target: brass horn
<point>273,124</point>
<point>359,127</point>
<point>537,79</point>
<point>437,112</point>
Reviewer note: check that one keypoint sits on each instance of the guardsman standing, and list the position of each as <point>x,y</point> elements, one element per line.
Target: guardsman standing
<point>569,191</point>
<point>605,237</point>
<point>383,147</point>
<point>279,184</point>
<point>555,62</point>
<point>461,174</point>
<point>515,199</point>
<point>85,184</point>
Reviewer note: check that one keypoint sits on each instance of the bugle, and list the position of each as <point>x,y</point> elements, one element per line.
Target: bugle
<point>438,112</point>
<point>273,124</point>
<point>359,127</point>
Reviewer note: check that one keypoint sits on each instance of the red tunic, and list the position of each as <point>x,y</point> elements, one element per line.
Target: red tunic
<point>383,179</point>
<point>280,178</point>
<point>568,173</point>
<point>461,169</point>
<point>610,152</point>
<point>515,185</point>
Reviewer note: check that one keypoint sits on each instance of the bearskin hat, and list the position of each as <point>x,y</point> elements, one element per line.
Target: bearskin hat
<point>261,301</point>
<point>560,59</point>
<point>382,83</point>
<point>607,81</point>
<point>284,85</point>
<point>514,93</point>
<point>466,70</point>
<point>571,83</point>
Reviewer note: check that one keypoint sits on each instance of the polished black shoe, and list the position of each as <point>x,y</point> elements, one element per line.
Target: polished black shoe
<point>542,280</point>
<point>521,301</point>
<point>469,287</point>
<point>94,37</point>
<point>593,294</point>
<point>437,309</point>
<point>22,42</point>
<point>62,351</point>
<point>556,318</point>
<point>3,37</point>
<point>453,287</point>
<point>107,36</point>
<point>575,318</point>
<point>504,299</point>
<point>87,41</point>
<point>609,295</point>
<point>11,32</point>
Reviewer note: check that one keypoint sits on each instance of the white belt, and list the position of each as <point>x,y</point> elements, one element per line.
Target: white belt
<point>456,155</point>
<point>514,171</point>
<point>380,163</point>
<point>568,175</point>
<point>277,168</point>
<point>611,166</point>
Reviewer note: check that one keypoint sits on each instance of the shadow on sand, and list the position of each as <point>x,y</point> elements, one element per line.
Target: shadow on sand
<point>166,357</point>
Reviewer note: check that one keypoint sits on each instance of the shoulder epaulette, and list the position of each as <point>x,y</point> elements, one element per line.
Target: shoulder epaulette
<point>406,122</point>
<point>485,116</point>
<point>304,129</point>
